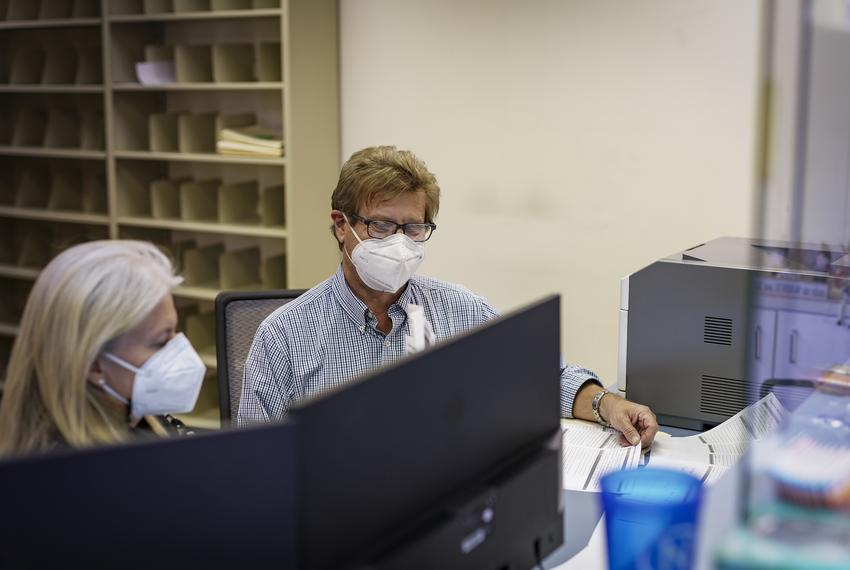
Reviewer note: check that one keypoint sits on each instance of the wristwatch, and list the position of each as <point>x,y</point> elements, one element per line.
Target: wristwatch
<point>594,405</point>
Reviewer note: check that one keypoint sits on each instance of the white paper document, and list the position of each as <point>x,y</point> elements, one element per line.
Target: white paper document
<point>709,454</point>
<point>590,450</point>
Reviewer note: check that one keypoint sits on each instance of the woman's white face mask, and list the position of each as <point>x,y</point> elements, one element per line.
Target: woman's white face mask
<point>167,383</point>
<point>386,264</point>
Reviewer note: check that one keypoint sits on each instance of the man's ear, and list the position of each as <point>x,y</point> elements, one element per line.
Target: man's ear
<point>339,224</point>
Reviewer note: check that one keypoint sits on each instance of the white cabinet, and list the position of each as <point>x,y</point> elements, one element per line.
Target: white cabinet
<point>762,339</point>
<point>807,343</point>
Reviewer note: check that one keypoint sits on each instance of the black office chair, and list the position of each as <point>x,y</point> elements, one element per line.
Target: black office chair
<point>238,314</point>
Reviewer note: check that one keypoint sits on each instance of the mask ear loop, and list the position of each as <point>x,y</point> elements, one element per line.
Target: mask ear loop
<point>357,237</point>
<point>112,392</point>
<point>109,390</point>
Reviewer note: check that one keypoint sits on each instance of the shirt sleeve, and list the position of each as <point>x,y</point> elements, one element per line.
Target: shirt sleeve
<point>573,377</point>
<point>266,381</point>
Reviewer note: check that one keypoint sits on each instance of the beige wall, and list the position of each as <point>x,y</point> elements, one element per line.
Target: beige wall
<point>574,141</point>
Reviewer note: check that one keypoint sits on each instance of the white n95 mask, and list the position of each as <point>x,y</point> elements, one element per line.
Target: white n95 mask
<point>167,383</point>
<point>387,264</point>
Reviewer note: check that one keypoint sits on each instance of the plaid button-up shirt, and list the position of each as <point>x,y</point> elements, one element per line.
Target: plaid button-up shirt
<point>328,336</point>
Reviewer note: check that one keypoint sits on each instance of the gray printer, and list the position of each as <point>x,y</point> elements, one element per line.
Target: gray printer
<point>708,330</point>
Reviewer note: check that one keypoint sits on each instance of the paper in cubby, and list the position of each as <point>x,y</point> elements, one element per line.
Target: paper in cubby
<point>27,66</point>
<point>165,199</point>
<point>63,129</point>
<point>23,9</point>
<point>66,192</point>
<point>193,63</point>
<point>30,125</point>
<point>233,62</point>
<point>201,264</point>
<point>196,133</point>
<point>268,61</point>
<point>33,188</point>
<point>199,201</point>
<point>60,66</point>
<point>240,268</point>
<point>163,132</point>
<point>239,203</point>
<point>191,5</point>
<point>231,4</point>
<point>86,9</point>
<point>91,131</point>
<point>89,69</point>
<point>200,330</point>
<point>56,9</point>
<point>94,193</point>
<point>273,272</point>
<point>158,7</point>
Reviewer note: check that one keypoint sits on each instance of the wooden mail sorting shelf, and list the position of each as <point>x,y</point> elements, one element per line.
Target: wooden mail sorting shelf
<point>59,190</point>
<point>116,158</point>
<point>238,207</point>
<point>154,7</point>
<point>48,10</point>
<point>35,243</point>
<point>60,65</point>
<point>211,267</point>
<point>58,128</point>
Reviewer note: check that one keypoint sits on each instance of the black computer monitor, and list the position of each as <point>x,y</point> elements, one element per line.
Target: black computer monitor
<point>220,500</point>
<point>444,459</point>
<point>404,466</point>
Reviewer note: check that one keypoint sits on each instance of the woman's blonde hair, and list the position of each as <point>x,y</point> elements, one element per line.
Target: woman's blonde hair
<point>87,296</point>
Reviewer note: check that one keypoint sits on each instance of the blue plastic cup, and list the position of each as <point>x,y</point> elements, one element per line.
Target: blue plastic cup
<point>651,519</point>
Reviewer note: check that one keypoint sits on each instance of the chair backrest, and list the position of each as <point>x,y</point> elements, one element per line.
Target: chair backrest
<point>238,314</point>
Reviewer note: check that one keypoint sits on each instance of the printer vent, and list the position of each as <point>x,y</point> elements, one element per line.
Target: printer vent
<point>717,330</point>
<point>722,396</point>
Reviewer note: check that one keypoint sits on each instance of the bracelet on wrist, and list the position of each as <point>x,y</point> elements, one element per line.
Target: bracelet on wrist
<point>594,405</point>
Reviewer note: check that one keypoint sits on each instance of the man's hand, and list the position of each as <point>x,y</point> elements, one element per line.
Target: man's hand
<point>634,421</point>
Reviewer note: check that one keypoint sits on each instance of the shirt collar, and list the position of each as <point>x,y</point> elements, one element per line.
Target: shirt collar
<point>357,309</point>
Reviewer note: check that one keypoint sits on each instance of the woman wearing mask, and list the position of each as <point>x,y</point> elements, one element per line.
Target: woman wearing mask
<point>97,358</point>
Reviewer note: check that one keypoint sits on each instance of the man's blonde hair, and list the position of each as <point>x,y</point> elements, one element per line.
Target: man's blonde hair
<point>381,173</point>
<point>87,296</point>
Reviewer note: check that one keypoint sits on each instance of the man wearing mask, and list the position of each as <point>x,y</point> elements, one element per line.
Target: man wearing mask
<point>383,212</point>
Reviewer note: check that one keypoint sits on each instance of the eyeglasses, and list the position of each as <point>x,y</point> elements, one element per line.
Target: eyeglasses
<point>379,229</point>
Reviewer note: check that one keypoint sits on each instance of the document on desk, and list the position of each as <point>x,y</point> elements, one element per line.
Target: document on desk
<point>590,451</point>
<point>709,454</point>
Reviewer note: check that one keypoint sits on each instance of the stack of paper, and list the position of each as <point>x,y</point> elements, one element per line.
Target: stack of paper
<point>709,455</point>
<point>252,140</point>
<point>590,451</point>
